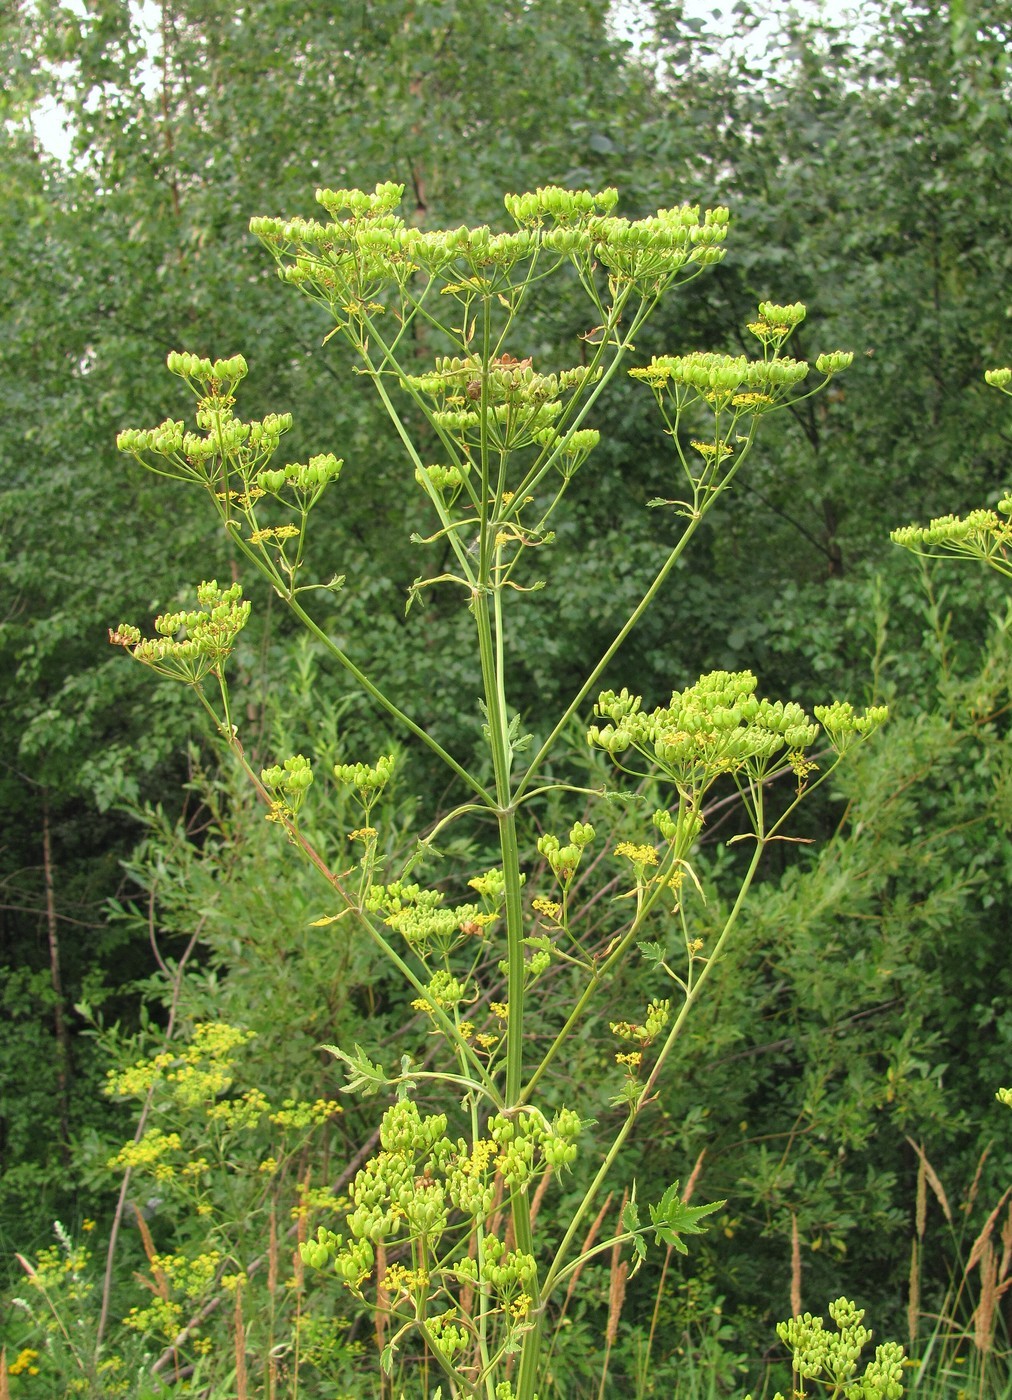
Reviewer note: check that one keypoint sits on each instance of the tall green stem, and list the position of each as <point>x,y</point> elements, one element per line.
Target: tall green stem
<point>498,735</point>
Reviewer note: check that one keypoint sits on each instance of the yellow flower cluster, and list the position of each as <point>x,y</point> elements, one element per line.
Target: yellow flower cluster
<point>293,1114</point>
<point>163,1318</point>
<point>484,1152</point>
<point>62,1267</point>
<point>483,1039</point>
<point>313,1198</point>
<point>190,1277</point>
<point>148,1154</point>
<point>24,1363</point>
<point>801,766</point>
<point>549,907</point>
<point>398,1279</point>
<point>639,855</point>
<point>278,533</point>
<point>197,1074</point>
<point>244,1112</point>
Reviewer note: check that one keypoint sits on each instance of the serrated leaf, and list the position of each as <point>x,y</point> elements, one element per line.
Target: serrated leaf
<point>672,1218</point>
<point>365,1077</point>
<point>652,952</point>
<point>627,799</point>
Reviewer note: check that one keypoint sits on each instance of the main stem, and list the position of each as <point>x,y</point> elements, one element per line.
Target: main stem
<point>498,734</point>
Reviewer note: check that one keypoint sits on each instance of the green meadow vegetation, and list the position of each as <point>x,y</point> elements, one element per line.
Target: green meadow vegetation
<point>534,924</point>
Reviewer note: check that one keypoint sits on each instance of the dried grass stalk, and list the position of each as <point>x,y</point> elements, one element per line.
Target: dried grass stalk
<point>933,1180</point>
<point>5,1390</point>
<point>983,1318</point>
<point>914,1298</point>
<point>1006,1241</point>
<point>984,1237</point>
<point>152,1256</point>
<point>921,1207</point>
<point>616,1295</point>
<point>971,1197</point>
<point>690,1185</point>
<point>239,1333</point>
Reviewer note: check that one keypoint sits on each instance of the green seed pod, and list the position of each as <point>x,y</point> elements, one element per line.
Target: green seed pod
<point>834,362</point>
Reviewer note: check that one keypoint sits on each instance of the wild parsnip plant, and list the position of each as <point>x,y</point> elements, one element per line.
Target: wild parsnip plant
<point>982,534</point>
<point>438,1241</point>
<point>829,1359</point>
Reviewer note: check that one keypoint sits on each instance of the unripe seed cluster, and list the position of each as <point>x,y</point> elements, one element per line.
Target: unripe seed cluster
<point>413,1186</point>
<point>564,859</point>
<point>832,1357</point>
<point>190,644</point>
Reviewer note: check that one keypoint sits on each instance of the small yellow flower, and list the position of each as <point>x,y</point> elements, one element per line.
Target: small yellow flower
<point>24,1363</point>
<point>639,855</point>
<point>752,399</point>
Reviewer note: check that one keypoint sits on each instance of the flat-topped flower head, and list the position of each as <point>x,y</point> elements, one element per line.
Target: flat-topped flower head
<point>190,644</point>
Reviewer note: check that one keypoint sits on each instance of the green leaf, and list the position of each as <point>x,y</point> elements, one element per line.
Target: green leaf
<point>672,1218</point>
<point>365,1076</point>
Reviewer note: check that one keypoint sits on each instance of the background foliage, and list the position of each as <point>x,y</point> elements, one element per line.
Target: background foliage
<point>864,1014</point>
